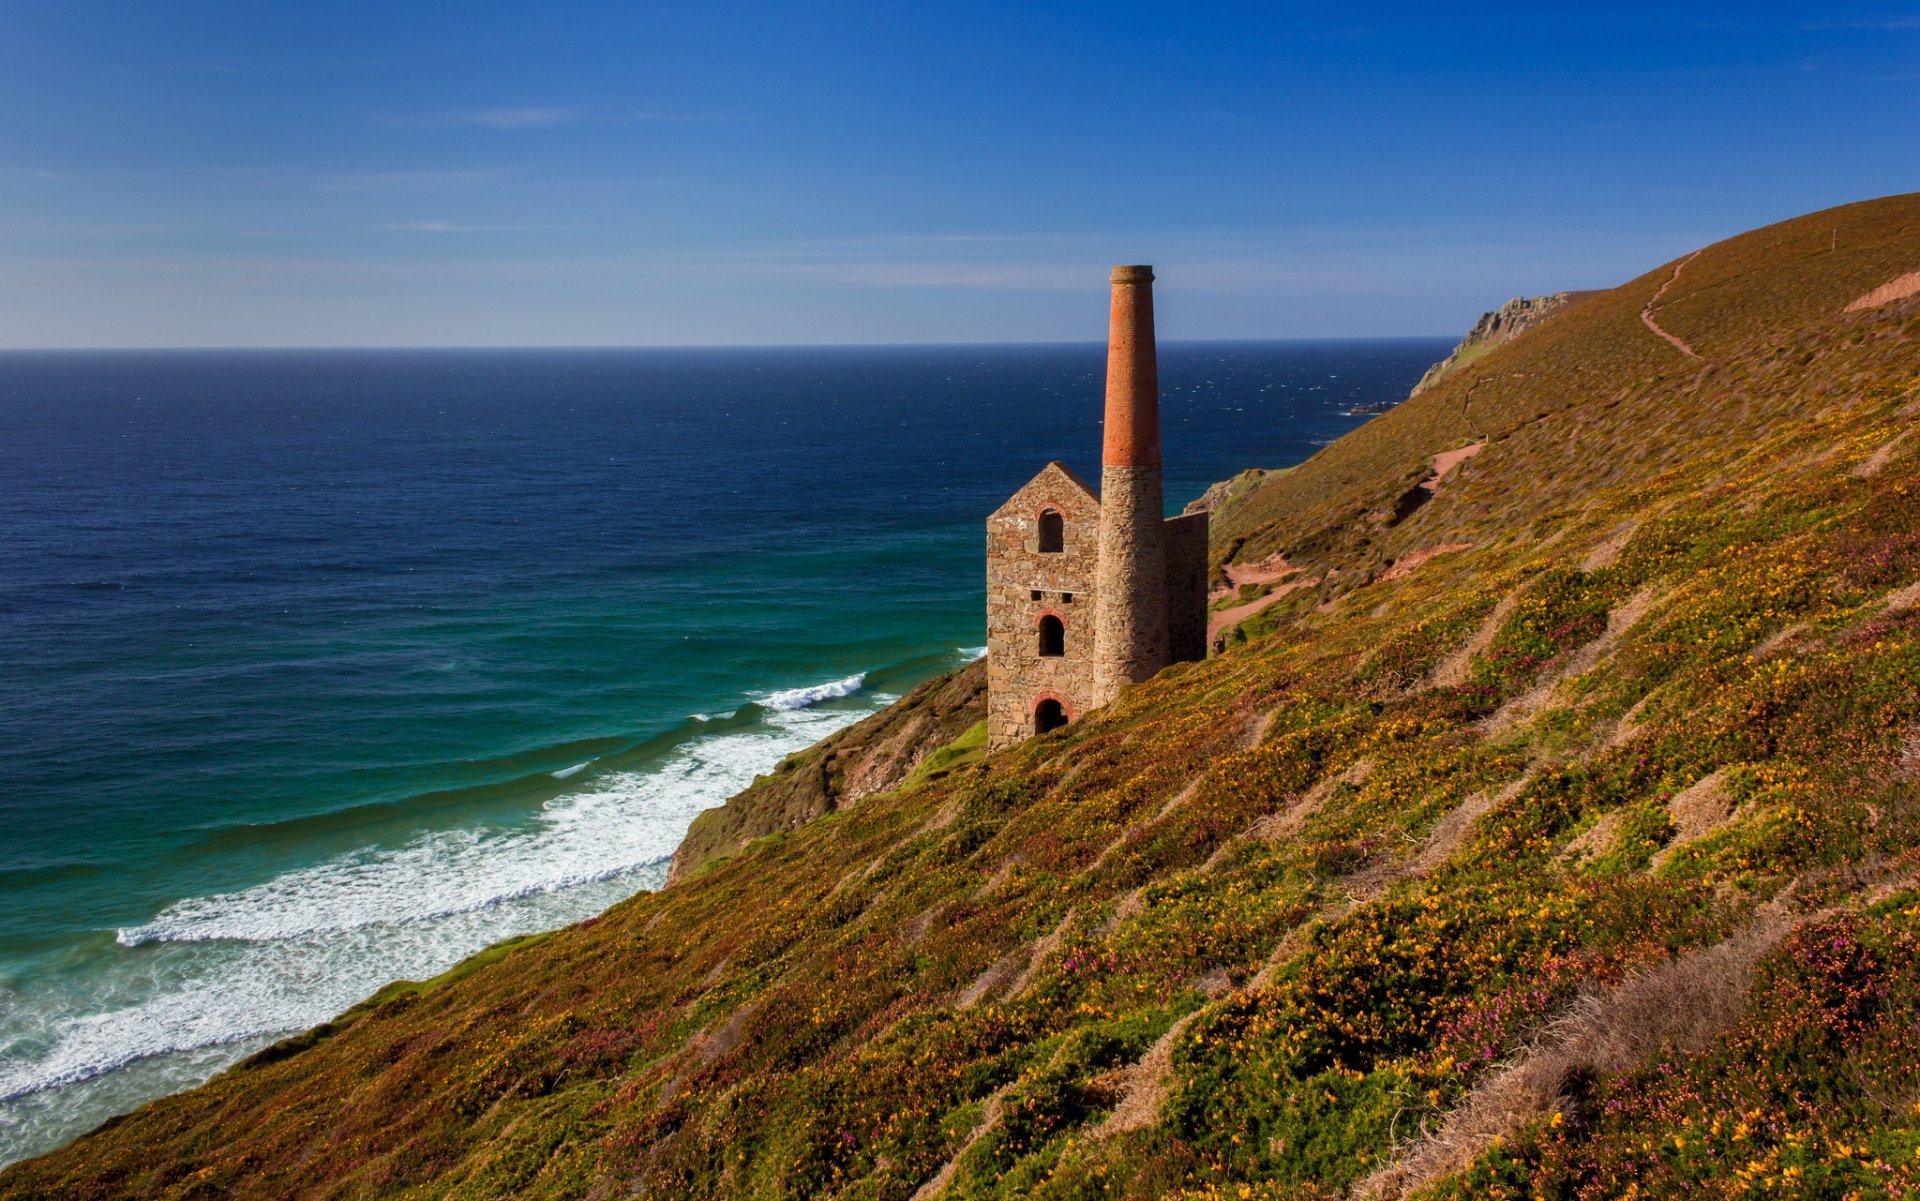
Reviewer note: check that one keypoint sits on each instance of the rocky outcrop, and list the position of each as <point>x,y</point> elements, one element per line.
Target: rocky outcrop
<point>872,755</point>
<point>1502,325</point>
<point>1223,494</point>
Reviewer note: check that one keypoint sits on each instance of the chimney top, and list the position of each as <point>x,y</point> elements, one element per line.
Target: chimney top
<point>1131,436</point>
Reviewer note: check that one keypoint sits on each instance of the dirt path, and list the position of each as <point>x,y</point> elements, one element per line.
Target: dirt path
<point>1445,462</point>
<point>1226,619</point>
<point>1646,313</point>
<point>1266,571</point>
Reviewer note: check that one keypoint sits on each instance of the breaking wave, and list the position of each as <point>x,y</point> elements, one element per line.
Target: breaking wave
<point>802,698</point>
<point>211,978</point>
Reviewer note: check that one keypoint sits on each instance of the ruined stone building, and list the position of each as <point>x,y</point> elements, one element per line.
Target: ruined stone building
<point>1087,594</point>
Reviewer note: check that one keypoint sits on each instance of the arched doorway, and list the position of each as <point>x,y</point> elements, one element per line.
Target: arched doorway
<point>1048,715</point>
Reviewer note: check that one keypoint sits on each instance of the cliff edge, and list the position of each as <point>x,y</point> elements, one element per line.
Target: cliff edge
<point>872,755</point>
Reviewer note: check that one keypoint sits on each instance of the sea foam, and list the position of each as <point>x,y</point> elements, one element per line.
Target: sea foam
<point>231,970</point>
<point>801,698</point>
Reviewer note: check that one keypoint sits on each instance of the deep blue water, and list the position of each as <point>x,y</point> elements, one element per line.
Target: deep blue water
<point>322,669</point>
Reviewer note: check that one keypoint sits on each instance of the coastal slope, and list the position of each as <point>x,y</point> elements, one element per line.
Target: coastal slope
<point>1555,832</point>
<point>872,755</point>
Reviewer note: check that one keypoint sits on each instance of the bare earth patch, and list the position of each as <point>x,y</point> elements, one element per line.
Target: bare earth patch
<point>1226,619</point>
<point>1266,571</point>
<point>1405,566</point>
<point>1444,463</point>
<point>1447,460</point>
<point>1897,289</point>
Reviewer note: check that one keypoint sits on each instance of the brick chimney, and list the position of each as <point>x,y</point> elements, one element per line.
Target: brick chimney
<point>1130,624</point>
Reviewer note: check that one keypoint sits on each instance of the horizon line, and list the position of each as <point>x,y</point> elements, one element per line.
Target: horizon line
<point>372,346</point>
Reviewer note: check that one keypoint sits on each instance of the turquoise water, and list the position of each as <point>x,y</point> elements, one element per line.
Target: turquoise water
<point>327,669</point>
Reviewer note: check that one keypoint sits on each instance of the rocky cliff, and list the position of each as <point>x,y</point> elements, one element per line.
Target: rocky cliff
<point>1496,328</point>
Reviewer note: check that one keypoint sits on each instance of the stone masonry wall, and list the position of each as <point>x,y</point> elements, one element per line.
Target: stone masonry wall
<point>1023,585</point>
<point>1131,641</point>
<point>1187,588</point>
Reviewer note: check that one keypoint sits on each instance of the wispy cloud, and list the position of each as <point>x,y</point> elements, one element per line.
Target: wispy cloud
<point>507,117</point>
<point>187,68</point>
<point>404,181</point>
<point>545,116</point>
<point>447,227</point>
<point>667,117</point>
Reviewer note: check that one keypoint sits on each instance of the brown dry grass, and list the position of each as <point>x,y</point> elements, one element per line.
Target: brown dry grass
<point>989,1118</point>
<point>1452,670</point>
<point>1143,1087</point>
<point>1697,810</point>
<point>1894,289</point>
<point>1607,552</point>
<point>1594,842</point>
<point>1619,621</point>
<point>1682,1005</point>
<point>1289,821</point>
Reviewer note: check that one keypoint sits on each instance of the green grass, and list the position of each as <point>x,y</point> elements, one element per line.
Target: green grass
<point>970,747</point>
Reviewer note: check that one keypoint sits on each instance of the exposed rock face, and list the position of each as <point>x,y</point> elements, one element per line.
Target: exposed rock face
<point>872,755</point>
<point>1504,324</point>
<point>1223,493</point>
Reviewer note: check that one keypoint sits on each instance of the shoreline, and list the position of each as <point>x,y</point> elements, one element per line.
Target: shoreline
<point>708,758</point>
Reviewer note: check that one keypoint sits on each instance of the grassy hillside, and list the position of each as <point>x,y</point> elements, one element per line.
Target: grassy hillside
<point>1561,841</point>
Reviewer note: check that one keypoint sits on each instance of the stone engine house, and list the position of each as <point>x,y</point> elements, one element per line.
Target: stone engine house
<point>1087,594</point>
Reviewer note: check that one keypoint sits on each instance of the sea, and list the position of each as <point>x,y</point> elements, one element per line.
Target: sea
<point>322,669</point>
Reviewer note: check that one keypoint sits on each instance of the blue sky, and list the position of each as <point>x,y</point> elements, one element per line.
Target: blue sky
<point>245,174</point>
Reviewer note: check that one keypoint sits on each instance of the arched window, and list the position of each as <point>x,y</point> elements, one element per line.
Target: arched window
<point>1053,532</point>
<point>1048,715</point>
<point>1053,636</point>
